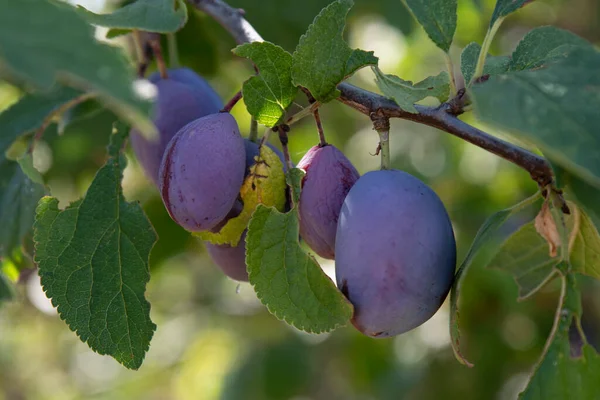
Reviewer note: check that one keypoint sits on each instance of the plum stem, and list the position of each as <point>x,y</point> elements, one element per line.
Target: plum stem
<point>142,59</point>
<point>231,103</point>
<point>158,56</point>
<point>173,51</point>
<point>443,117</point>
<point>253,135</point>
<point>322,141</point>
<point>382,125</point>
<point>283,139</point>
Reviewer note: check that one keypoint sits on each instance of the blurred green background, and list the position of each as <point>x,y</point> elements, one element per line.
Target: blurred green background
<point>214,338</point>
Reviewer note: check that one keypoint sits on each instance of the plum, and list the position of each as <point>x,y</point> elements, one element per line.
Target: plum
<point>231,260</point>
<point>329,177</point>
<point>395,252</point>
<point>202,172</point>
<point>182,98</point>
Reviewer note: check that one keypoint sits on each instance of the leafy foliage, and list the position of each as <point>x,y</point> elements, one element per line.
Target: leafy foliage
<point>526,254</point>
<point>505,7</point>
<point>93,263</point>
<point>18,198</point>
<point>265,184</point>
<point>286,279</point>
<point>322,58</point>
<point>71,55</point>
<point>486,236</point>
<point>268,94</point>
<point>541,105</point>
<point>468,62</point>
<point>559,374</point>
<point>148,15</point>
<point>543,45</point>
<point>405,93</point>
<point>29,113</point>
<point>438,18</point>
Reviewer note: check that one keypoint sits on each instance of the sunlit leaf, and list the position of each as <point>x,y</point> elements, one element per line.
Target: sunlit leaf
<point>287,279</point>
<point>322,58</point>
<point>406,94</point>
<point>268,94</point>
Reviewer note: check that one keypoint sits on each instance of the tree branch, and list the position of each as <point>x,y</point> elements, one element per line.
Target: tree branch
<point>443,117</point>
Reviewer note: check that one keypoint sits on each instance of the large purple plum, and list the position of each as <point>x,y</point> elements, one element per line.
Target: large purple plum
<point>329,177</point>
<point>231,260</point>
<point>202,172</point>
<point>182,97</point>
<point>395,252</point>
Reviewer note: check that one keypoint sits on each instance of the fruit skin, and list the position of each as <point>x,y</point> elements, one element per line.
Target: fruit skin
<point>202,172</point>
<point>395,252</point>
<point>231,260</point>
<point>182,97</point>
<point>329,177</point>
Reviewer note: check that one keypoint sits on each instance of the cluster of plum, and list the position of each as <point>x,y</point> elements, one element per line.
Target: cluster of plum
<point>389,233</point>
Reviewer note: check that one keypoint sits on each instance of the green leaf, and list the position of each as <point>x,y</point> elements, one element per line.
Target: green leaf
<point>6,291</point>
<point>56,44</point>
<point>585,244</point>
<point>437,17</point>
<point>527,257</point>
<point>405,93</point>
<point>585,195</point>
<point>468,62</point>
<point>93,263</point>
<point>162,16</point>
<point>26,164</point>
<point>505,7</point>
<point>555,107</point>
<point>543,45</point>
<point>29,112</point>
<point>486,237</point>
<point>560,376</point>
<point>268,94</point>
<point>322,59</point>
<point>287,279</point>
<point>18,198</point>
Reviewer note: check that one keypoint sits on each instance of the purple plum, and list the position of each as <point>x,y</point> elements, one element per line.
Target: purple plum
<point>202,172</point>
<point>182,98</point>
<point>329,177</point>
<point>395,253</point>
<point>231,260</point>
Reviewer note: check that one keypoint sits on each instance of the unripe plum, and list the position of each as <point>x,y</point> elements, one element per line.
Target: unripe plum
<point>231,260</point>
<point>202,172</point>
<point>395,252</point>
<point>182,97</point>
<point>329,177</point>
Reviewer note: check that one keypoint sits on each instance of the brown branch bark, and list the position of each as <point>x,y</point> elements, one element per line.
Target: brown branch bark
<point>371,104</point>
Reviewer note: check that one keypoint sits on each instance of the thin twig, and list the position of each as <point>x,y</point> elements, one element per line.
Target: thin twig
<point>370,103</point>
<point>322,141</point>
<point>56,112</point>
<point>158,56</point>
<point>232,102</point>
